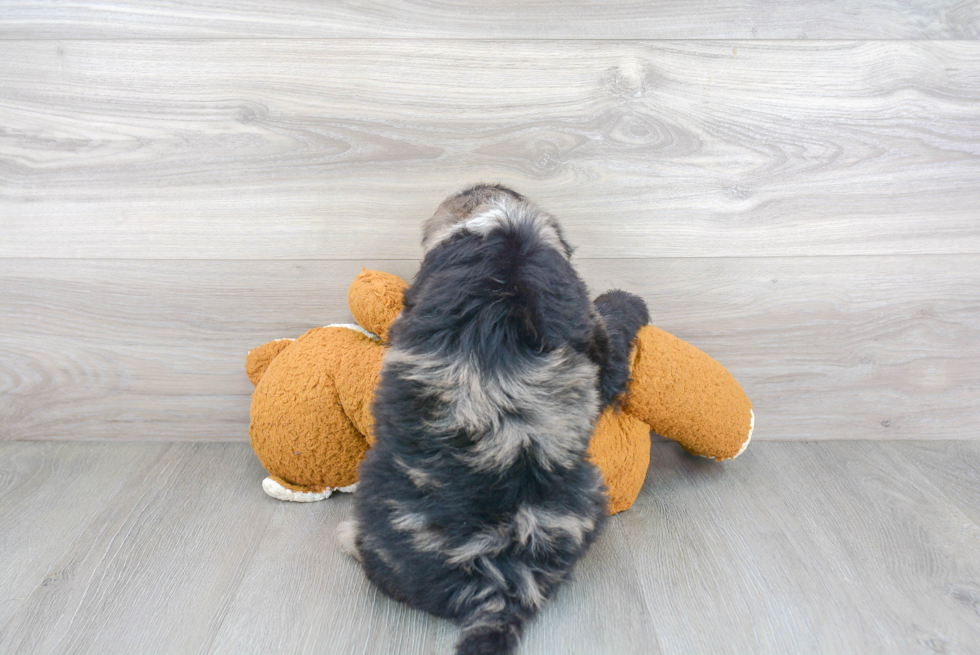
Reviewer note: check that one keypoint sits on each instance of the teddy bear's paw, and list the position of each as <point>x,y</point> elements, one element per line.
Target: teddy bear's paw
<point>745,444</point>
<point>748,438</point>
<point>280,492</point>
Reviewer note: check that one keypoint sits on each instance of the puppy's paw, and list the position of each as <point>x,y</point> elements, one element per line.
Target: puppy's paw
<point>347,538</point>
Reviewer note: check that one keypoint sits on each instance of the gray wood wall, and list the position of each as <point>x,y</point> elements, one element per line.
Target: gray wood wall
<point>794,188</point>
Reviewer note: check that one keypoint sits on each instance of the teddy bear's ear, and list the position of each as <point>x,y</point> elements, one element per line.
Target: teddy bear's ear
<point>375,300</point>
<point>258,359</point>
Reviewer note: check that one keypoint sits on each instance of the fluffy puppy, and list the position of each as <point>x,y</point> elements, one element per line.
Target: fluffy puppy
<point>477,499</point>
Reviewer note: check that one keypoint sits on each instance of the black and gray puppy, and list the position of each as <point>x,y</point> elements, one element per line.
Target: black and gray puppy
<point>477,498</point>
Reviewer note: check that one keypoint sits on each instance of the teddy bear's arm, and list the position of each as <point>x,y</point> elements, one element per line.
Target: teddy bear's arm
<point>620,447</point>
<point>258,359</point>
<point>685,395</point>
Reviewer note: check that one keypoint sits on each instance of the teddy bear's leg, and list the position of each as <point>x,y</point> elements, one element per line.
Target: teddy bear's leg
<point>685,395</point>
<point>620,447</point>
<point>282,490</point>
<point>299,430</point>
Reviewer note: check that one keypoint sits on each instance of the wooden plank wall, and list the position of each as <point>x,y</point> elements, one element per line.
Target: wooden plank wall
<point>793,188</point>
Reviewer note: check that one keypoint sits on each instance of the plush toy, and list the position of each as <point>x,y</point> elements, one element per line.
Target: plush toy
<point>311,409</point>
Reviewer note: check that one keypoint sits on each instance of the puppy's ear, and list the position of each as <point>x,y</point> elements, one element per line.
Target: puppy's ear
<point>598,347</point>
<point>622,315</point>
<point>602,352</point>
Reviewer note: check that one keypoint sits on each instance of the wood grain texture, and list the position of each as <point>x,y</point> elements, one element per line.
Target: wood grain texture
<point>50,494</point>
<point>826,347</point>
<point>507,19</point>
<point>833,547</point>
<point>159,567</point>
<point>150,349</point>
<point>602,610</point>
<point>837,547</point>
<point>338,149</point>
<point>301,594</point>
<point>952,465</point>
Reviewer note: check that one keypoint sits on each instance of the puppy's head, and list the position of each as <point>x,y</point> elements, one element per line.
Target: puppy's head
<point>484,207</point>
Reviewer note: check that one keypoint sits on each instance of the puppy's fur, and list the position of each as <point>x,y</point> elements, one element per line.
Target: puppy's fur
<point>477,499</point>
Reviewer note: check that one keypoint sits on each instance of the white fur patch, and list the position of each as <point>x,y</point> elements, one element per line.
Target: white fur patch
<point>527,588</point>
<point>419,477</point>
<point>503,211</point>
<point>471,593</point>
<point>347,538</point>
<point>483,544</point>
<point>538,528</point>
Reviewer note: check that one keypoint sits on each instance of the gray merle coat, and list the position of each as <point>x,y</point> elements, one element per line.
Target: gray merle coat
<point>477,499</point>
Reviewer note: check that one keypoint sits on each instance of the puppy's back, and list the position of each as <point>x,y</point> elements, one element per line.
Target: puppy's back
<point>477,498</point>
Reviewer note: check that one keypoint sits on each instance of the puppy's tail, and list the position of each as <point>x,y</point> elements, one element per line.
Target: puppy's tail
<point>493,629</point>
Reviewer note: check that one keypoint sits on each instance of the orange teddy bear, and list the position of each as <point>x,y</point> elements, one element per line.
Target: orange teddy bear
<point>311,409</point>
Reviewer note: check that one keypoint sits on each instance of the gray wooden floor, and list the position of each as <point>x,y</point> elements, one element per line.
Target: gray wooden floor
<point>829,547</point>
<point>792,186</point>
